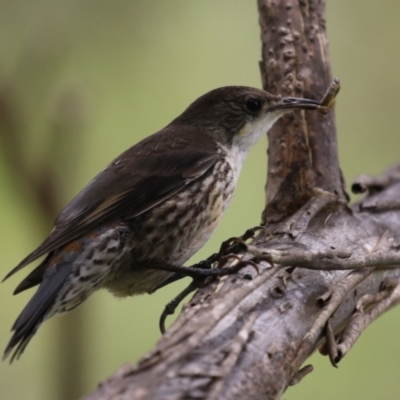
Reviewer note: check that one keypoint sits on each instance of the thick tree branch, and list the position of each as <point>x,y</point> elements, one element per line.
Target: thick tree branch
<point>302,150</point>
<point>327,271</point>
<point>291,309</point>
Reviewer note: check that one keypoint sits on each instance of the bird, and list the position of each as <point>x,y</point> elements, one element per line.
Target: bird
<point>152,207</point>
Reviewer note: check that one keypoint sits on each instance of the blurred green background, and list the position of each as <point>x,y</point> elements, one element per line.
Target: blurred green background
<point>80,81</point>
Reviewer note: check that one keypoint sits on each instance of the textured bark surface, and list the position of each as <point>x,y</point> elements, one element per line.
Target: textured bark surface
<point>302,146</point>
<point>327,271</point>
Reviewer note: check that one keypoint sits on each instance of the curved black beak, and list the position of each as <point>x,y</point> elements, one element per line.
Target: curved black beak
<point>323,106</point>
<point>292,103</point>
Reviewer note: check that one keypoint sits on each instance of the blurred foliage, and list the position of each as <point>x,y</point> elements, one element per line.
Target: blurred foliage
<point>94,77</point>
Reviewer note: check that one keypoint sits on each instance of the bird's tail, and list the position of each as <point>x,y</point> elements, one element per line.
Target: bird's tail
<point>37,310</point>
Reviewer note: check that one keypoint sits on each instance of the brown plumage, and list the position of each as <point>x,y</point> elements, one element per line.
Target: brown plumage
<point>159,201</point>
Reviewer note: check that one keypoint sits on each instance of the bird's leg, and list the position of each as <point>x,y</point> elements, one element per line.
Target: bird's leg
<point>196,271</point>
<point>201,281</point>
<point>203,270</point>
<point>205,264</point>
<point>200,278</point>
<point>173,304</point>
<point>228,247</point>
<point>236,244</point>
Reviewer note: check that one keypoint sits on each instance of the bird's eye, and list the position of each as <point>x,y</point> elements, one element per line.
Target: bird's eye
<point>253,105</point>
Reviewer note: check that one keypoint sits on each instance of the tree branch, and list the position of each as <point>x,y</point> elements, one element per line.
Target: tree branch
<point>43,187</point>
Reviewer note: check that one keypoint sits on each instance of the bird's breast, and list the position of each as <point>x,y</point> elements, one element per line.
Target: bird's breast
<point>213,196</point>
<point>176,229</point>
<point>188,218</point>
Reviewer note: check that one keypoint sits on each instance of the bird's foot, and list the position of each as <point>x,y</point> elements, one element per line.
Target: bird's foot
<point>174,303</point>
<point>236,244</point>
<point>203,271</point>
<point>201,280</point>
<point>204,268</point>
<point>205,264</point>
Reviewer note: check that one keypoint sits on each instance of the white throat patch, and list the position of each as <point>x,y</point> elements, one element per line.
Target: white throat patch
<point>250,134</point>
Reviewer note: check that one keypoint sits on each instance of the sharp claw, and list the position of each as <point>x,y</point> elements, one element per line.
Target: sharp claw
<point>254,265</point>
<point>230,241</point>
<point>251,232</point>
<point>168,310</point>
<point>174,303</point>
<point>161,323</point>
<point>239,241</point>
<point>229,245</point>
<point>225,259</point>
<point>239,266</point>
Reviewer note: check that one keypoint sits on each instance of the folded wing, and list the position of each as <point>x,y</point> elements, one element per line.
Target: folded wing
<point>139,179</point>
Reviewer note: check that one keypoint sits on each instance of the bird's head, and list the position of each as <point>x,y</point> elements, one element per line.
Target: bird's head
<point>239,115</point>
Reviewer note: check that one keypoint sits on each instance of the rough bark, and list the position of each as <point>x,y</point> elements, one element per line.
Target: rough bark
<point>302,146</point>
<point>326,271</point>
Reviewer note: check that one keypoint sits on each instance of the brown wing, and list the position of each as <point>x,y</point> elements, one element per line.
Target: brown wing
<point>139,179</point>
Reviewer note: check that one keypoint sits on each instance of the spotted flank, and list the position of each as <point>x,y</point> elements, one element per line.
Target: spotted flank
<point>71,275</point>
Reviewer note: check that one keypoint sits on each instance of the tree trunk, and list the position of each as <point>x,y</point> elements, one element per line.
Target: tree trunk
<point>326,271</point>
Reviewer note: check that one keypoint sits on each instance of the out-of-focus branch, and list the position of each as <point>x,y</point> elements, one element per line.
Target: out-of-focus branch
<point>41,185</point>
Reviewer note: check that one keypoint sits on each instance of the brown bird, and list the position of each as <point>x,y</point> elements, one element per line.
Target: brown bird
<point>154,206</point>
